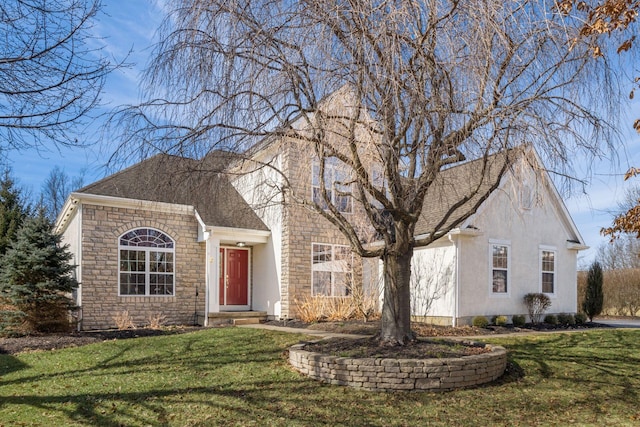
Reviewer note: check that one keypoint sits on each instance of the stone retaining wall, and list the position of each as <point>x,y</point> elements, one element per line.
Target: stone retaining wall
<point>401,374</point>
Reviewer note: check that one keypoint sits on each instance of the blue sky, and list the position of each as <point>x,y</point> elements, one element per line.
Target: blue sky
<point>130,25</point>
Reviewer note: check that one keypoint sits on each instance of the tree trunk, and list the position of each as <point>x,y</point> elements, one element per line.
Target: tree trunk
<point>396,306</point>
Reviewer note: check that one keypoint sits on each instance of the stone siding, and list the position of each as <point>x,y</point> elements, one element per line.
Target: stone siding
<point>301,228</point>
<point>101,228</point>
<point>401,374</point>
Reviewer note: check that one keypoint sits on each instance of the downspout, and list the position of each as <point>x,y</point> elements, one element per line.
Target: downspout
<point>209,259</point>
<point>79,268</point>
<point>456,305</point>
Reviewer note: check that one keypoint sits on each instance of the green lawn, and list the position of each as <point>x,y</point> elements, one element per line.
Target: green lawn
<point>240,377</point>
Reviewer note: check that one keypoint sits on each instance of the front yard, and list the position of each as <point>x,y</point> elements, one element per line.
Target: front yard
<point>234,376</point>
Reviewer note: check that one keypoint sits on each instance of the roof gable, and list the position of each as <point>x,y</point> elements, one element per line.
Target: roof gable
<point>178,180</point>
<point>456,191</point>
<point>472,183</point>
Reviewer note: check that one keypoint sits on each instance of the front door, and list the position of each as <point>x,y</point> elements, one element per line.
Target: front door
<point>234,277</point>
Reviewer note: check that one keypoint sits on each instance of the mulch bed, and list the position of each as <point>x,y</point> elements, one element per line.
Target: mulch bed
<point>39,342</point>
<point>371,347</point>
<point>359,327</point>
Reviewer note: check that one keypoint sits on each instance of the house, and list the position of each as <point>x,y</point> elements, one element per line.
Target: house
<point>520,240</point>
<point>193,240</point>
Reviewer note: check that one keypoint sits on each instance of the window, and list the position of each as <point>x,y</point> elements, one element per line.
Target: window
<point>337,189</point>
<point>499,268</point>
<point>548,268</point>
<point>331,270</point>
<point>379,181</point>
<point>146,260</point>
<point>526,196</point>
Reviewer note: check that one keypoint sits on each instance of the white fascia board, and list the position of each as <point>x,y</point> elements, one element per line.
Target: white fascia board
<point>75,199</point>
<point>234,235</point>
<point>69,210</point>
<point>203,234</point>
<point>121,202</point>
<point>573,246</point>
<point>559,202</point>
<point>470,232</point>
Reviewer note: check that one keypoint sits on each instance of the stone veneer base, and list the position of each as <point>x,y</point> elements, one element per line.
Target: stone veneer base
<point>436,374</point>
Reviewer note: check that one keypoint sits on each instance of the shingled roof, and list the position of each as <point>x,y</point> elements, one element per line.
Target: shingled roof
<point>179,180</point>
<point>474,180</point>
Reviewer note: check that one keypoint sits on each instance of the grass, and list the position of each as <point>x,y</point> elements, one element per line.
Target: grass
<point>239,377</point>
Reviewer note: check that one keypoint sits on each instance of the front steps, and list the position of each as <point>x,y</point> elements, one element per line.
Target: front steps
<point>236,318</point>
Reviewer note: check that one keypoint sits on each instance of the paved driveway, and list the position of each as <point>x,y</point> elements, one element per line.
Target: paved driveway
<point>620,323</point>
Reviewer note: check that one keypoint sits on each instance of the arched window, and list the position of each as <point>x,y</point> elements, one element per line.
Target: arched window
<point>146,260</point>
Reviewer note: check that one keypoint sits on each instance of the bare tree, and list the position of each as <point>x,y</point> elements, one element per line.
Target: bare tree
<point>430,283</point>
<point>623,251</point>
<point>51,75</point>
<point>56,189</point>
<point>424,85</point>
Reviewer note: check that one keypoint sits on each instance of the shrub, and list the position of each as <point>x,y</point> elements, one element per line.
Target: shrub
<point>551,319</point>
<point>566,319</point>
<point>580,318</point>
<point>10,320</point>
<point>123,320</point>
<point>593,298</point>
<point>156,321</point>
<point>480,322</point>
<point>338,309</point>
<point>518,320</point>
<point>499,320</point>
<point>537,304</point>
<point>621,295</point>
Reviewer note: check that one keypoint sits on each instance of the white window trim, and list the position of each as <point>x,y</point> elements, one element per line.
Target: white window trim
<point>331,169</point>
<point>147,272</point>
<point>545,248</point>
<point>333,284</point>
<point>492,243</point>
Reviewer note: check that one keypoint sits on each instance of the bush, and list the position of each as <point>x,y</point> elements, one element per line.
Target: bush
<point>566,319</point>
<point>311,309</point>
<point>156,321</point>
<point>536,304</point>
<point>518,320</point>
<point>593,298</point>
<point>621,295</point>
<point>551,319</point>
<point>580,318</point>
<point>480,322</point>
<point>499,320</point>
<point>332,309</point>
<point>123,320</point>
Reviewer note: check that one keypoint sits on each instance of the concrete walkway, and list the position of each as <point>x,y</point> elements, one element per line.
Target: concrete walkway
<point>312,332</point>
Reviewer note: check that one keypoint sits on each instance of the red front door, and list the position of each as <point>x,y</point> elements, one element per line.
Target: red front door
<point>234,276</point>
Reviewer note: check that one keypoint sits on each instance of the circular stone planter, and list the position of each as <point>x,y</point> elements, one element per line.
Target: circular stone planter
<point>402,374</point>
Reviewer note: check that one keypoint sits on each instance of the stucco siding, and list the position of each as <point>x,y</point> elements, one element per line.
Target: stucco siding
<point>259,185</point>
<point>433,273</point>
<point>525,232</point>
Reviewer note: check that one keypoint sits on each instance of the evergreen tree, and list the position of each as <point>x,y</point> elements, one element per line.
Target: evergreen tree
<point>36,278</point>
<point>13,210</point>
<point>594,297</point>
